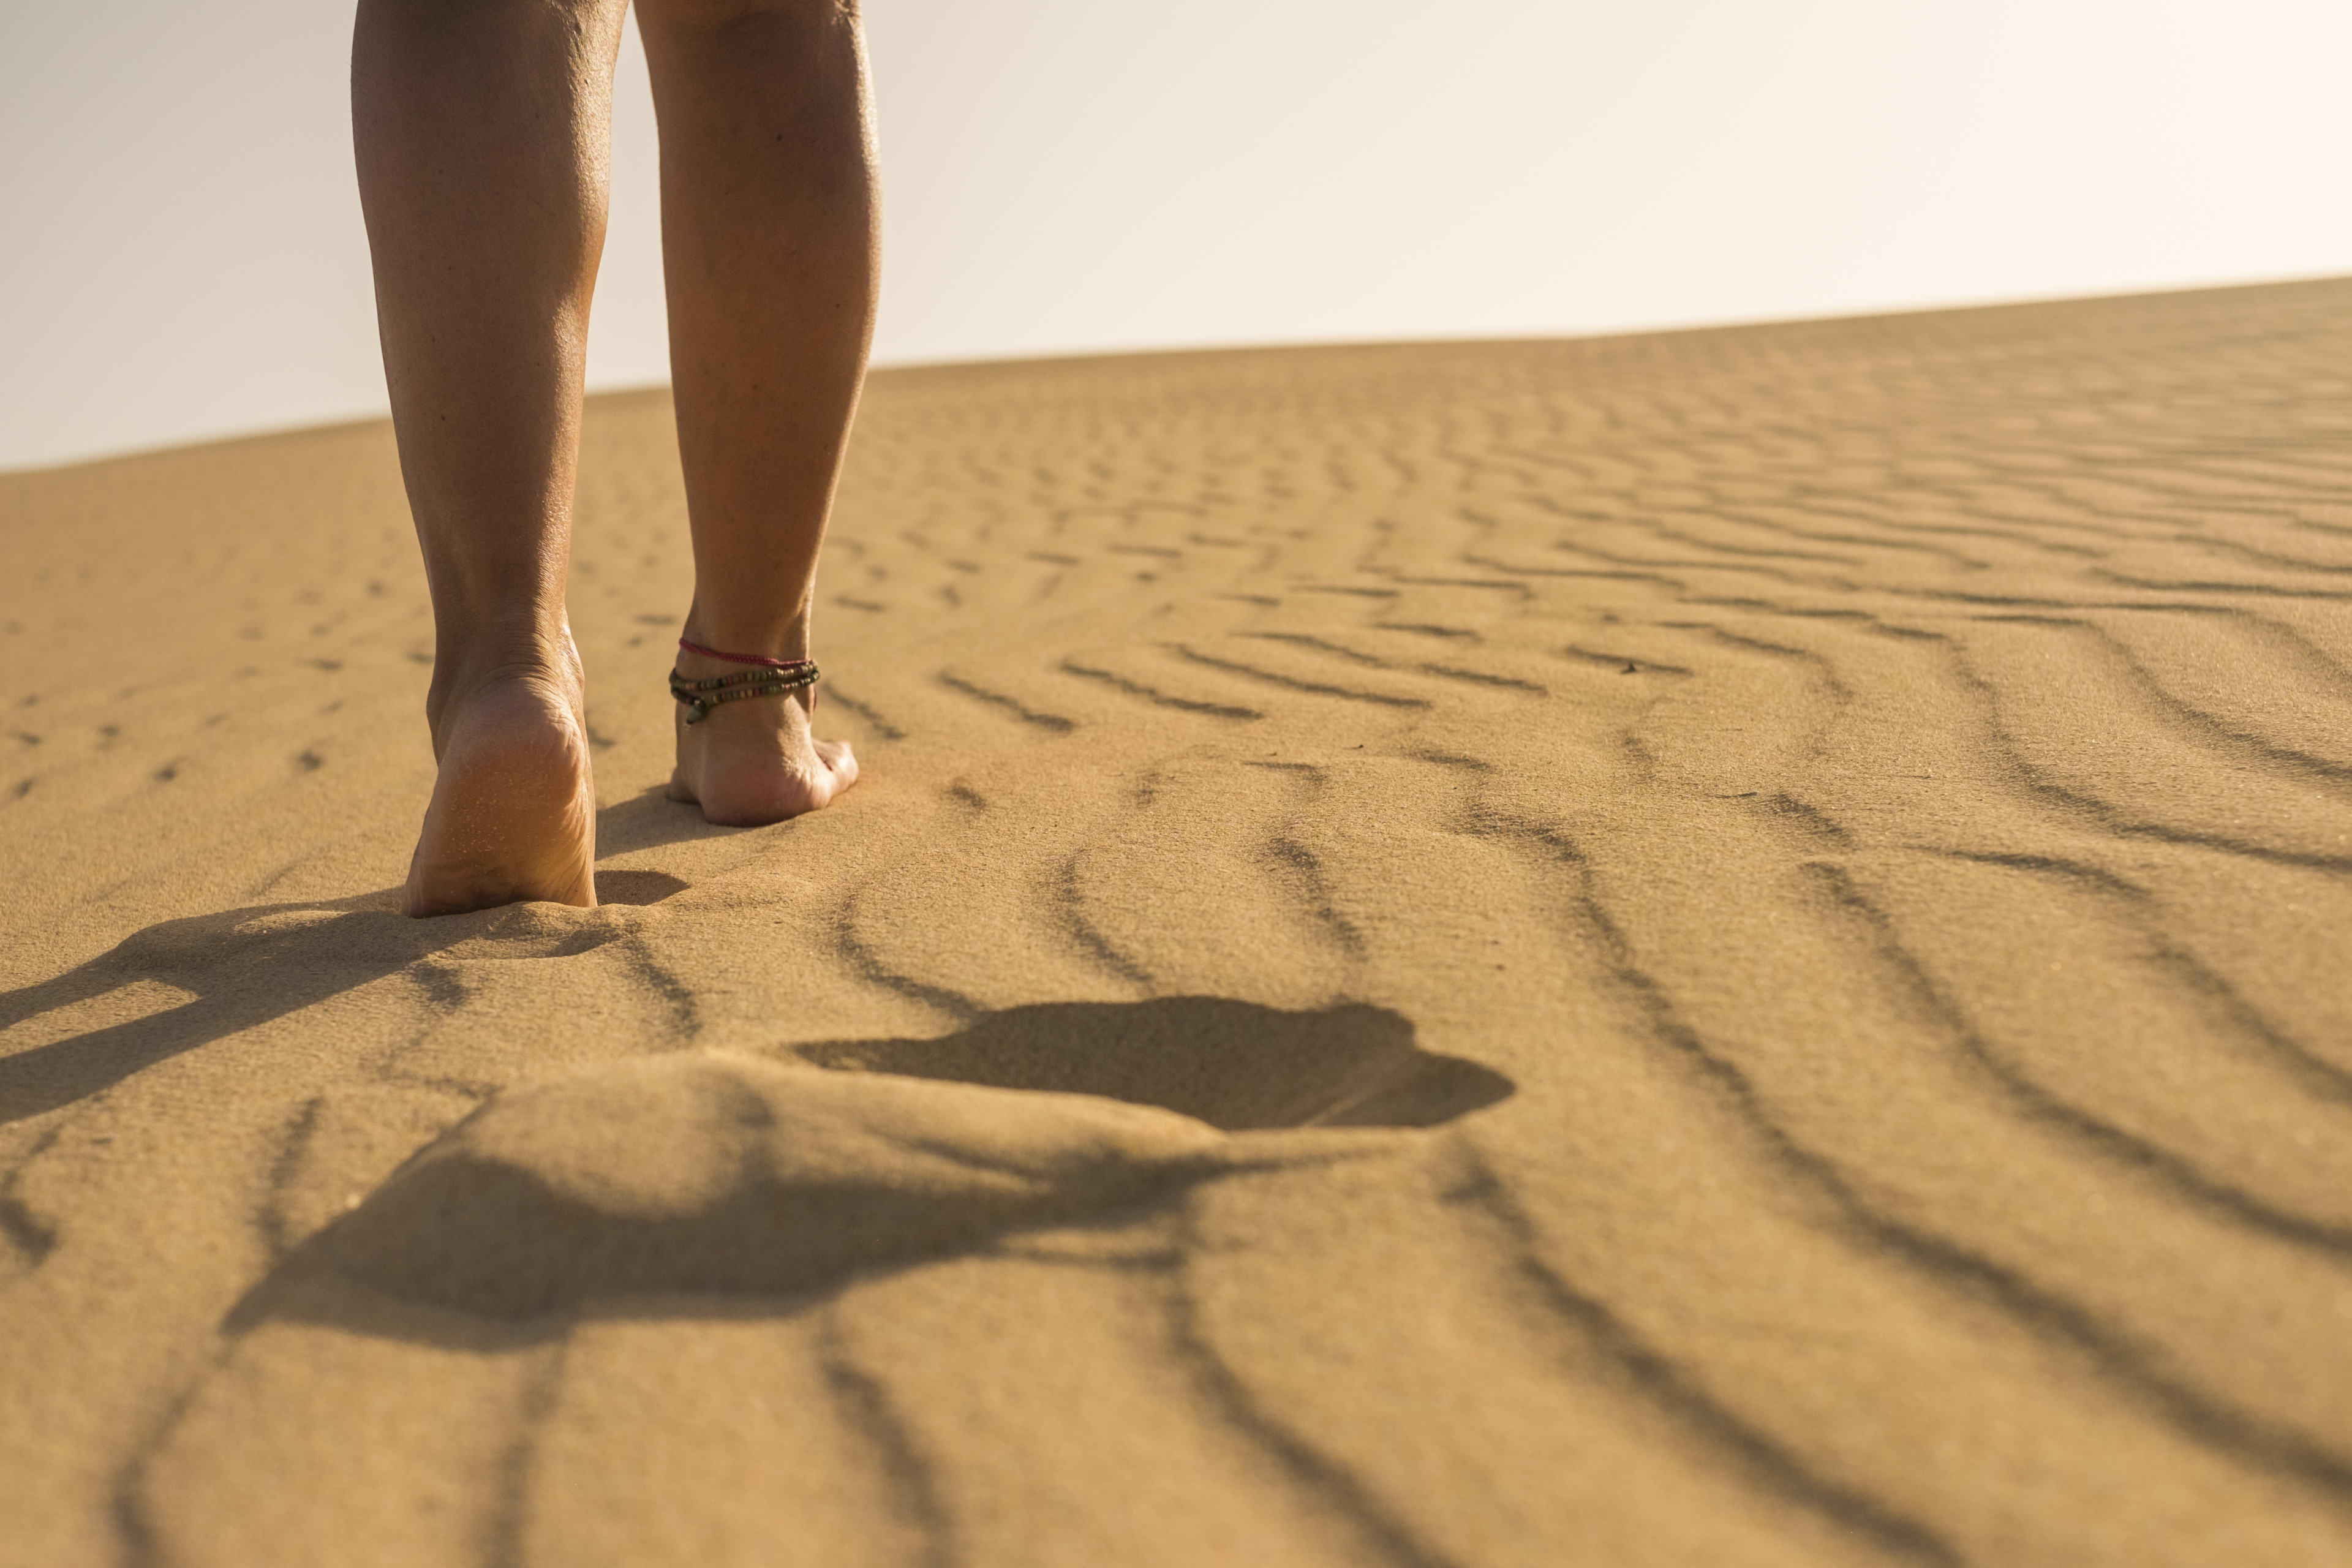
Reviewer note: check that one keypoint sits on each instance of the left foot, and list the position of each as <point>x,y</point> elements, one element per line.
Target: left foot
<point>513,815</point>
<point>752,763</point>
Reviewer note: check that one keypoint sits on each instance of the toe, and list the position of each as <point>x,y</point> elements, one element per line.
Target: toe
<point>840,760</point>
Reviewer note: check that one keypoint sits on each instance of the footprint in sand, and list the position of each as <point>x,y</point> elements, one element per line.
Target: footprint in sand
<point>705,1173</point>
<point>637,887</point>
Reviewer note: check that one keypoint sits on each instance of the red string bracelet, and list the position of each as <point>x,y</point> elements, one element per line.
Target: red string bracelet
<point>762,660</point>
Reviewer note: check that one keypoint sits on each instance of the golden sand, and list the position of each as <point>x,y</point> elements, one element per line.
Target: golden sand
<point>1726,948</point>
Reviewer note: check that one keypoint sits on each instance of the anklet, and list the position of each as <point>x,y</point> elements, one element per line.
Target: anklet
<point>701,696</point>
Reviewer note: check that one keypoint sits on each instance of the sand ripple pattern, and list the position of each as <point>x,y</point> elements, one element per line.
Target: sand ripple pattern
<point>1716,948</point>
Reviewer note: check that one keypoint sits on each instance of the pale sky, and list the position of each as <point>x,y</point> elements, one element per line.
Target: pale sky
<point>181,254</point>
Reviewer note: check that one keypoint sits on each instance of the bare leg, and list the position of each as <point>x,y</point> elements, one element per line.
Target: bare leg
<point>481,128</point>
<point>768,245</point>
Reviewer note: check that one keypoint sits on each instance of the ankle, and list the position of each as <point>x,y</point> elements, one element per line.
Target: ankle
<point>464,668</point>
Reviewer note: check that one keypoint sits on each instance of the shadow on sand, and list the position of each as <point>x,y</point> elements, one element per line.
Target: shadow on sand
<point>706,1175</point>
<point>1234,1065</point>
<point>245,967</point>
<point>678,1181</point>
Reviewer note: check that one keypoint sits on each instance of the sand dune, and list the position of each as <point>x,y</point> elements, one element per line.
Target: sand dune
<point>1720,948</point>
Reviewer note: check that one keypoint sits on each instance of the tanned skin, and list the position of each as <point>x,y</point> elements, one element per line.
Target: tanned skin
<point>483,130</point>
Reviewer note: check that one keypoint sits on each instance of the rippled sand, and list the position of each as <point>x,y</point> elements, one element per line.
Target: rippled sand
<point>1726,948</point>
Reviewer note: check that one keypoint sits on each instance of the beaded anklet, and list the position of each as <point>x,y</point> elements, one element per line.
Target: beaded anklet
<point>772,677</point>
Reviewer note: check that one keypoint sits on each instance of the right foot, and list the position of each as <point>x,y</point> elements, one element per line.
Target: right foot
<point>752,763</point>
<point>513,815</point>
